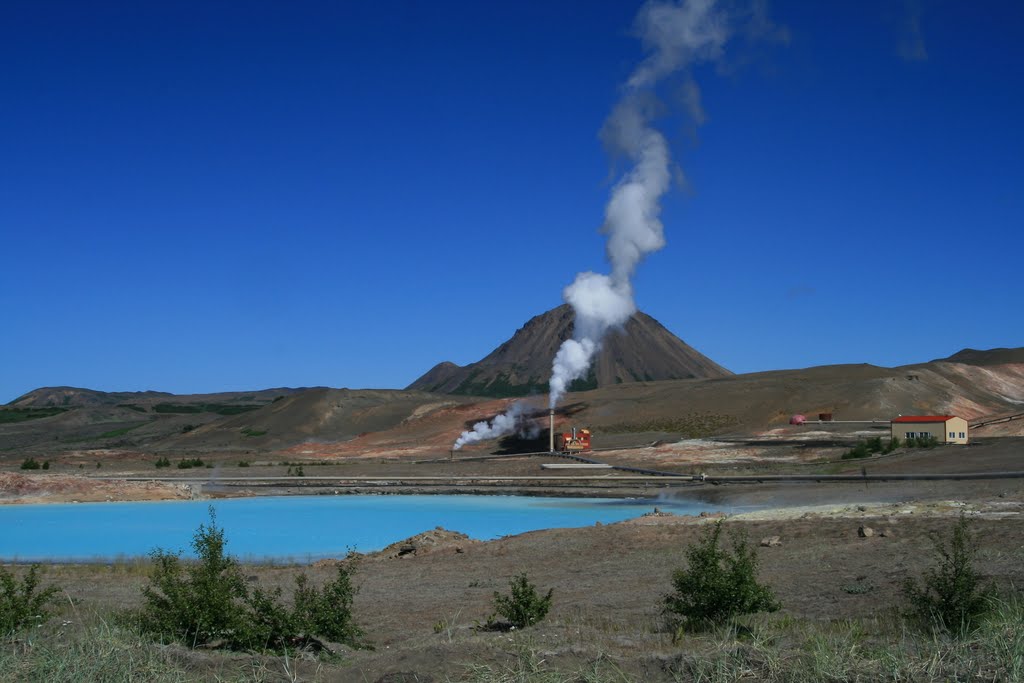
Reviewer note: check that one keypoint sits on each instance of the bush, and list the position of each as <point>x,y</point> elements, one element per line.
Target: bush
<point>243,463</point>
<point>717,585</point>
<point>524,606</point>
<point>46,464</point>
<point>162,462</point>
<point>925,441</point>
<point>207,601</point>
<point>951,596</point>
<point>23,604</point>
<point>195,603</point>
<point>868,447</point>
<point>30,464</point>
<point>858,451</point>
<point>189,463</point>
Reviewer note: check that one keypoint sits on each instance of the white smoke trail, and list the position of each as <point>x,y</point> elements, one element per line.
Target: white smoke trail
<point>510,421</point>
<point>676,35</point>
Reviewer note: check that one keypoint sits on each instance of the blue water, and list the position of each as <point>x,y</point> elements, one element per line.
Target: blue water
<point>291,527</point>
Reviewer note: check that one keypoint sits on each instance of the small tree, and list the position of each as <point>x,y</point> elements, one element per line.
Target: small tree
<point>716,584</point>
<point>524,606</point>
<point>208,601</point>
<point>195,603</point>
<point>327,612</point>
<point>22,603</point>
<point>951,596</point>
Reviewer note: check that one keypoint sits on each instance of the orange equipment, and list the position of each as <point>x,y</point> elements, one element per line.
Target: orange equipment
<point>576,441</point>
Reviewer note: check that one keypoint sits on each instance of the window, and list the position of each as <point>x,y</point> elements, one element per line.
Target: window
<point>910,435</point>
<point>962,435</point>
<point>952,435</point>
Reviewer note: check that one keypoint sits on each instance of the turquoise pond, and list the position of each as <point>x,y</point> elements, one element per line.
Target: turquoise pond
<point>295,528</point>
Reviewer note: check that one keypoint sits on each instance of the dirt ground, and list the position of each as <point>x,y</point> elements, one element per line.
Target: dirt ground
<point>420,606</point>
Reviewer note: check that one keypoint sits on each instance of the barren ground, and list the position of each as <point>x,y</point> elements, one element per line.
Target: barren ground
<point>420,609</point>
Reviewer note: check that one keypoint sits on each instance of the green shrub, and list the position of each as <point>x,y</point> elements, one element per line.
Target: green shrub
<point>243,463</point>
<point>858,451</point>
<point>951,596</point>
<point>22,603</point>
<point>716,584</point>
<point>163,462</point>
<point>327,612</point>
<point>8,415</point>
<point>924,441</point>
<point>868,447</point>
<point>207,601</point>
<point>30,464</point>
<point>46,464</point>
<point>195,603</point>
<point>524,606</point>
<point>188,463</point>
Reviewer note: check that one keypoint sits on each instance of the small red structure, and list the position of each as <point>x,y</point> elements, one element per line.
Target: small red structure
<point>797,420</point>
<point>573,442</point>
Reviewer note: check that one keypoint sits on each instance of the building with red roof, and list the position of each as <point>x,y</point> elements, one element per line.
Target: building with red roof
<point>943,428</point>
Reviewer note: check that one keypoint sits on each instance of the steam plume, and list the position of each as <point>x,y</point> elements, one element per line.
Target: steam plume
<point>510,421</point>
<point>675,35</point>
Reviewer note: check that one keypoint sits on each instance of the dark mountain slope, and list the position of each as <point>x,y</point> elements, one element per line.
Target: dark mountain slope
<point>643,350</point>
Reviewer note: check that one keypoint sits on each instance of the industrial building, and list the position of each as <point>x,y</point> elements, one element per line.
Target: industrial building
<point>944,428</point>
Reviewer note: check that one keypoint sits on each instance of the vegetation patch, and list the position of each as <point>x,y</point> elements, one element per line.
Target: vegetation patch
<point>218,408</point>
<point>30,463</point>
<point>717,584</point>
<point>926,441</point>
<point>691,426</point>
<point>951,595</point>
<point>189,463</point>
<point>208,602</point>
<point>248,431</point>
<point>132,406</point>
<point>499,387</point>
<point>523,606</point>
<point>120,432</point>
<point>869,447</point>
<point>9,415</point>
<point>23,603</point>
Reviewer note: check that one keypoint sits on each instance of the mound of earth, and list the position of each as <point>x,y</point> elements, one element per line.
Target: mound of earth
<point>436,540</point>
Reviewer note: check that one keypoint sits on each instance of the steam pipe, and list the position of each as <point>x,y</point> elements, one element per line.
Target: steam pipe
<point>551,430</point>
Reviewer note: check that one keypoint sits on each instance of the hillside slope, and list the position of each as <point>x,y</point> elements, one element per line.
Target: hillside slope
<point>643,350</point>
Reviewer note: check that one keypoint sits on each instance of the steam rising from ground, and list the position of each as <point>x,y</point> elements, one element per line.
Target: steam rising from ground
<point>675,36</point>
<point>510,421</point>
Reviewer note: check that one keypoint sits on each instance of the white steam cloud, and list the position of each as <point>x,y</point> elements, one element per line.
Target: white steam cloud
<point>676,36</point>
<point>510,421</point>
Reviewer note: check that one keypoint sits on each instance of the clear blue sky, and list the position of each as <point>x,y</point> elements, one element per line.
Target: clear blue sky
<point>206,196</point>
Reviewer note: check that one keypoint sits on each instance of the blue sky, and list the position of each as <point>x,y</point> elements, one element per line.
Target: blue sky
<point>206,196</point>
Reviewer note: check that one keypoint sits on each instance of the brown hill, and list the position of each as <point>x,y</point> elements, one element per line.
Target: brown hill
<point>45,397</point>
<point>313,415</point>
<point>73,397</point>
<point>1000,356</point>
<point>643,350</point>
